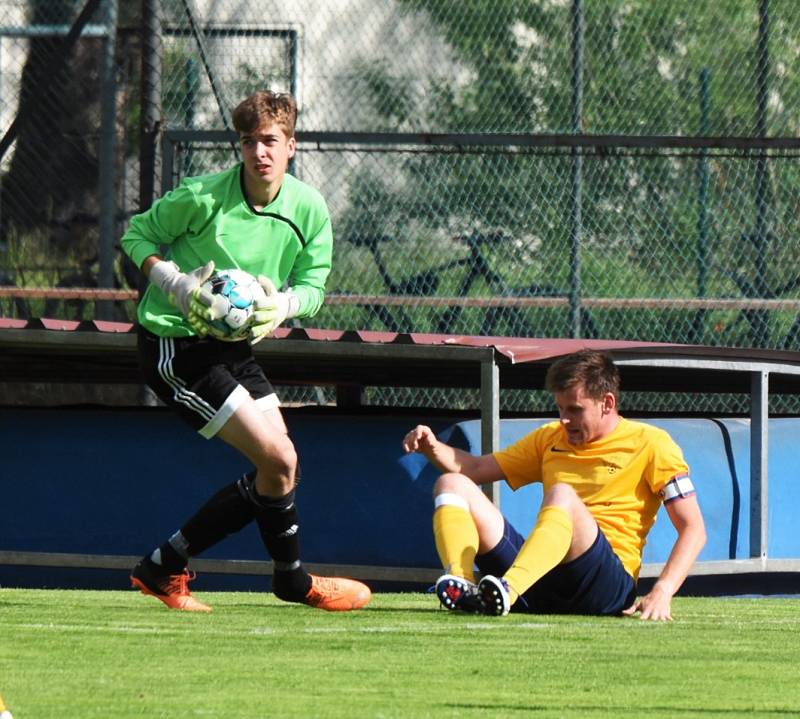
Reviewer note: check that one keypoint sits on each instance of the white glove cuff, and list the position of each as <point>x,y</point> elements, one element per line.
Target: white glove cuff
<point>293,306</point>
<point>163,273</point>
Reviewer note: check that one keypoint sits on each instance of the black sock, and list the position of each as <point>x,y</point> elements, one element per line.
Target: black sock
<point>168,558</point>
<point>278,523</point>
<point>227,512</point>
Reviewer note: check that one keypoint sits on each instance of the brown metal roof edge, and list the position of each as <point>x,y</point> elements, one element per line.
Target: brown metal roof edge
<point>530,349</point>
<point>62,325</point>
<point>517,350</point>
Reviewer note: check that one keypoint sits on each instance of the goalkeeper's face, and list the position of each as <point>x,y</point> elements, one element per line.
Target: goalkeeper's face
<point>266,152</point>
<point>584,418</point>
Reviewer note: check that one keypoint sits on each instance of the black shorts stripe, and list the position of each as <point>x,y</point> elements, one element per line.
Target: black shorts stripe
<point>202,379</point>
<point>181,394</point>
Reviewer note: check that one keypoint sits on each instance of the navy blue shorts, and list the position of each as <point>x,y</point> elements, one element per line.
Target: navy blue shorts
<point>594,583</point>
<point>203,380</point>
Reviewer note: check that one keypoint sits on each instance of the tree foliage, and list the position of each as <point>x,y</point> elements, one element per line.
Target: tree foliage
<point>681,223</point>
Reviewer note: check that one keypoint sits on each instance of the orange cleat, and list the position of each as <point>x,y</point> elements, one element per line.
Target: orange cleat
<point>172,589</point>
<point>334,594</point>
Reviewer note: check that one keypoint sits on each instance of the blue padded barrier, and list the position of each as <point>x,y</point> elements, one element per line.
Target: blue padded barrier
<point>119,481</point>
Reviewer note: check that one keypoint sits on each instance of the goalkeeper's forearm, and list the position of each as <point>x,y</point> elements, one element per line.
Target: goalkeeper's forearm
<point>149,263</point>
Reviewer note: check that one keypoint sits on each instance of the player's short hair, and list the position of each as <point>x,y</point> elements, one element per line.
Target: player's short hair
<point>594,370</point>
<point>263,107</point>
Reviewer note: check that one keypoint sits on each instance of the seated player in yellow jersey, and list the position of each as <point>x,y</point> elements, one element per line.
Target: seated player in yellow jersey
<point>604,478</point>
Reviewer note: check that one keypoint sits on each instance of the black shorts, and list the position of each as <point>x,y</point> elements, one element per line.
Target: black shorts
<point>204,380</point>
<point>594,583</point>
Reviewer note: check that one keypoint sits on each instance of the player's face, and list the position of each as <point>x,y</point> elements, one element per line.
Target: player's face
<point>266,153</point>
<point>585,419</point>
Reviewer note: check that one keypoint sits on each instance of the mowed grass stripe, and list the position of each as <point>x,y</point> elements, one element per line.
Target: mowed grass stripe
<point>118,654</point>
<point>271,631</point>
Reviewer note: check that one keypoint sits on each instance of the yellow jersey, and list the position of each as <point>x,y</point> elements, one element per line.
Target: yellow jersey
<point>620,478</point>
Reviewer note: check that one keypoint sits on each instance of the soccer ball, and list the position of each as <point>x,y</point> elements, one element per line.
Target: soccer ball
<point>238,288</point>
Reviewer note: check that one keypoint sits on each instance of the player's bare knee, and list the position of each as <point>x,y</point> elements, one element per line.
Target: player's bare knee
<point>277,469</point>
<point>286,465</point>
<point>452,483</point>
<point>560,495</point>
<point>285,453</point>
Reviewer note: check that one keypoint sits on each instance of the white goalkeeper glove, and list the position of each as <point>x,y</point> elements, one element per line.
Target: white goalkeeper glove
<point>185,291</point>
<point>271,309</point>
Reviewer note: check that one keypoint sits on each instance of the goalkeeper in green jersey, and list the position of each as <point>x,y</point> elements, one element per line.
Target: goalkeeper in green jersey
<point>254,217</point>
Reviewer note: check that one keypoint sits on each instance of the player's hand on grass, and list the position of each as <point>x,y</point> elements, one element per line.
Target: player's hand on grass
<point>272,308</point>
<point>420,439</point>
<point>179,286</point>
<point>656,606</point>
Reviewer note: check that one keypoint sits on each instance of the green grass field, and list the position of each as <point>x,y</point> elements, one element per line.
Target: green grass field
<point>111,654</point>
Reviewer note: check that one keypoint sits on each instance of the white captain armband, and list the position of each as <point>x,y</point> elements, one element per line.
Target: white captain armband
<point>677,488</point>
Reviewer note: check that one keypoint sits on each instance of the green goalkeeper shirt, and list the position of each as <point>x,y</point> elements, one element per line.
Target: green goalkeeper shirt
<point>209,218</point>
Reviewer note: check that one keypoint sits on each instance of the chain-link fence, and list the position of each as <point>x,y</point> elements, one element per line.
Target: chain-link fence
<point>590,168</point>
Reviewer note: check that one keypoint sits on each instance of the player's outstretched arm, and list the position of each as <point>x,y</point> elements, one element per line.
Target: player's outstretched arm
<point>688,521</point>
<point>480,469</point>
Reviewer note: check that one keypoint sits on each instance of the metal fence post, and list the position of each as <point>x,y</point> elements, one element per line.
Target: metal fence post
<point>107,171</point>
<point>762,234</point>
<point>702,209</point>
<point>151,100</point>
<point>577,169</point>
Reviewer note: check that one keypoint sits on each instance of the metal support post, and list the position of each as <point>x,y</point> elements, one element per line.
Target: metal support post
<point>490,418</point>
<point>759,439</point>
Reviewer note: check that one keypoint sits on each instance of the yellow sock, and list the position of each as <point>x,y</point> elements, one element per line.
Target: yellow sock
<point>544,549</point>
<point>456,538</point>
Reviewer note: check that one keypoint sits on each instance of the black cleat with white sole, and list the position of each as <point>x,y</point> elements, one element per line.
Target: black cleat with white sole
<point>494,596</point>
